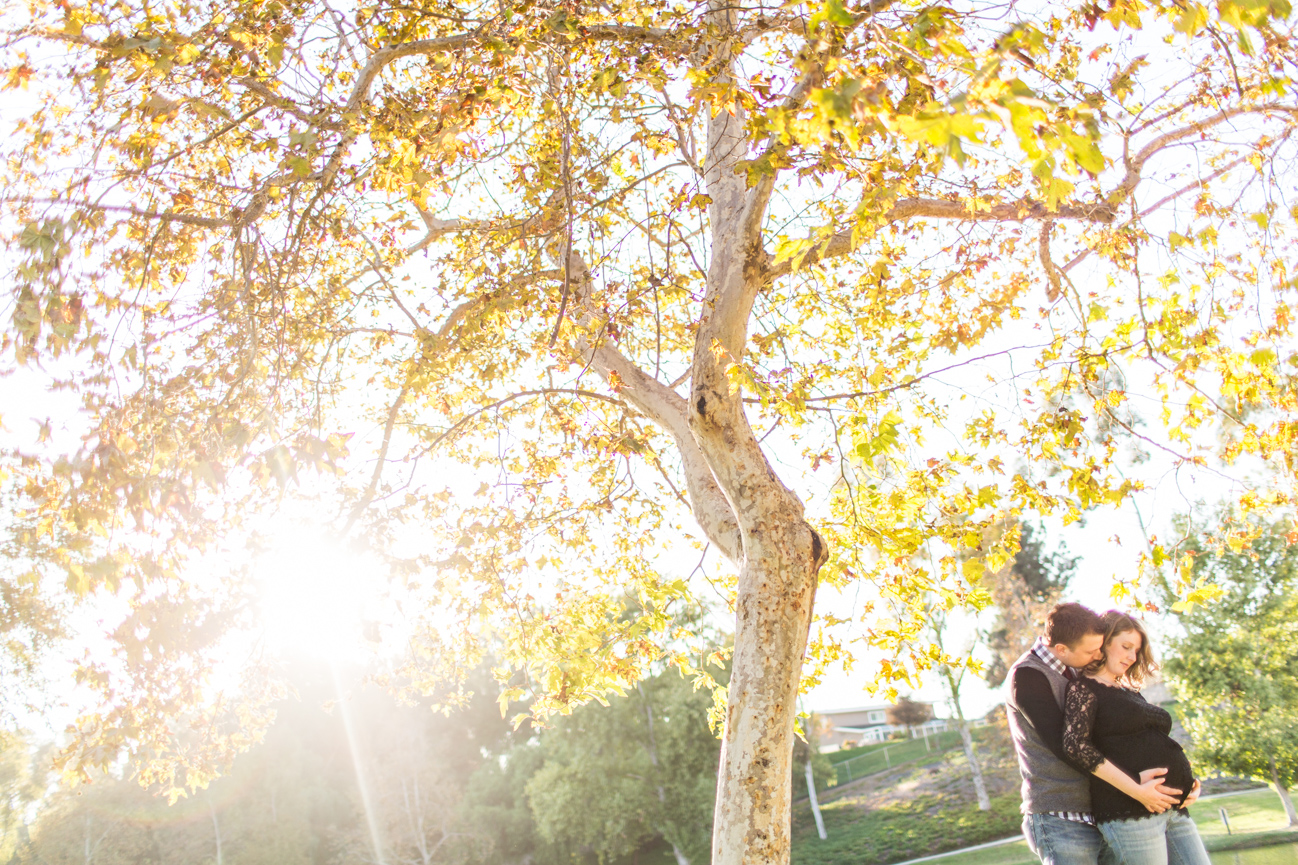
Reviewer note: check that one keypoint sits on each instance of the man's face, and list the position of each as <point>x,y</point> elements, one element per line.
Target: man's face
<point>1085,650</point>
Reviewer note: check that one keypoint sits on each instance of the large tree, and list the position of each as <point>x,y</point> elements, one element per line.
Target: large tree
<point>1235,668</point>
<point>625,263</point>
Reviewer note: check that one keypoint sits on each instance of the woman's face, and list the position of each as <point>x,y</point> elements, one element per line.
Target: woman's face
<point>1121,651</point>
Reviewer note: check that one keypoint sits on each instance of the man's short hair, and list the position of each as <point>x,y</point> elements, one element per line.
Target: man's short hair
<point>1069,623</point>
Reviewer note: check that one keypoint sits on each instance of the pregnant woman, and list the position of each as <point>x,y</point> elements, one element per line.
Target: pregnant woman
<point>1107,724</point>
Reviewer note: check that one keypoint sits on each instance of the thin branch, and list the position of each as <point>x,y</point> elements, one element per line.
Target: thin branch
<point>1048,263</point>
<point>274,100</point>
<point>1137,163</point>
<point>453,428</point>
<point>917,379</point>
<point>1171,196</point>
<point>373,486</point>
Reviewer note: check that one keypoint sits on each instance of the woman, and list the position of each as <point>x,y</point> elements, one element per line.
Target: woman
<point>1114,733</point>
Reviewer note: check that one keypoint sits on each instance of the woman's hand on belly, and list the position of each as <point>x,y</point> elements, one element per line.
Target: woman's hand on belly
<point>1148,791</point>
<point>1166,789</point>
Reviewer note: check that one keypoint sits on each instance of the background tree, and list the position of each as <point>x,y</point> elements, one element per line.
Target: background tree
<point>289,800</point>
<point>1235,670</point>
<point>1022,593</point>
<point>909,713</point>
<point>416,766</point>
<point>952,664</point>
<point>620,263</point>
<point>20,787</point>
<point>614,777</point>
<point>496,807</point>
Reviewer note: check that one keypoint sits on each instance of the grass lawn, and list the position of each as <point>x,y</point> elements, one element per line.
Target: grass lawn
<point>856,763</point>
<point>1256,819</point>
<point>902,830</point>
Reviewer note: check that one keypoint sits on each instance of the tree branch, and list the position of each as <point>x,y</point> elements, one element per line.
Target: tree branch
<point>283,103</point>
<point>452,321</point>
<point>661,405</point>
<point>161,216</point>
<point>842,242</point>
<point>1136,163</point>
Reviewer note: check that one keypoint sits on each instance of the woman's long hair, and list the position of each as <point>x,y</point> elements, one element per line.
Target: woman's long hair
<point>1117,622</point>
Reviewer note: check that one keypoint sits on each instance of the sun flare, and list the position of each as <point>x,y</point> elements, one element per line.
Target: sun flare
<point>316,595</point>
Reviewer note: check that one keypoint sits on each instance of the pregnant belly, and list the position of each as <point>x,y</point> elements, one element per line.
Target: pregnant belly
<point>1151,750</point>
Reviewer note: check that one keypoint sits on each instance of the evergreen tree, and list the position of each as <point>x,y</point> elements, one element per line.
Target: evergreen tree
<point>1023,592</point>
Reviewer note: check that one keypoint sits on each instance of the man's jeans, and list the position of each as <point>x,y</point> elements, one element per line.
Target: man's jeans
<point>1057,841</point>
<point>1170,838</point>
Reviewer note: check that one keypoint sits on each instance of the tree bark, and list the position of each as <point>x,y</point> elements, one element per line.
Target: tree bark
<point>1283,793</point>
<point>777,584</point>
<point>737,498</point>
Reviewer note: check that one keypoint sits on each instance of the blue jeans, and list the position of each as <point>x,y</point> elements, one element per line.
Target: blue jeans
<point>1057,841</point>
<point>1170,838</point>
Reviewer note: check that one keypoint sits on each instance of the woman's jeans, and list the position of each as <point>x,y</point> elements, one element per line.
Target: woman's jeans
<point>1170,838</point>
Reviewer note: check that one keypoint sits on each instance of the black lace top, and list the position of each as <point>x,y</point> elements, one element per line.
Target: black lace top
<point>1102,721</point>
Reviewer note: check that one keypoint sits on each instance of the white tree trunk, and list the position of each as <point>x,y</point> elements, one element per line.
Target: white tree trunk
<point>216,832</point>
<point>1283,793</point>
<point>776,586</point>
<point>815,804</point>
<point>980,786</point>
<point>966,739</point>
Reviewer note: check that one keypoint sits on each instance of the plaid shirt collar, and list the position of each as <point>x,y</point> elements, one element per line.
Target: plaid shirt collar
<point>1042,651</point>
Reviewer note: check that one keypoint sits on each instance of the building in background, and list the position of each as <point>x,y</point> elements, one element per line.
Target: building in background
<point>847,728</point>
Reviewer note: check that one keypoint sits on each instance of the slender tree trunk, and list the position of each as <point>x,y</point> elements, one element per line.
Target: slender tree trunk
<point>980,786</point>
<point>815,804</point>
<point>216,831</point>
<point>737,498</point>
<point>1283,792</point>
<point>681,858</point>
<point>966,738</point>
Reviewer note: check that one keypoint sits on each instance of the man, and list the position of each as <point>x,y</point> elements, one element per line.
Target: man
<point>1056,795</point>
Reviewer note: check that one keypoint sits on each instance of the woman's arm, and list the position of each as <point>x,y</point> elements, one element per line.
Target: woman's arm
<point>1079,721</point>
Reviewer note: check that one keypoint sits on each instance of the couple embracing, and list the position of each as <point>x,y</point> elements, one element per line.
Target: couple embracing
<point>1103,782</point>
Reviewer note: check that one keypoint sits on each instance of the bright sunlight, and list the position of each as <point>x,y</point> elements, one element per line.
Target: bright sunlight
<point>316,595</point>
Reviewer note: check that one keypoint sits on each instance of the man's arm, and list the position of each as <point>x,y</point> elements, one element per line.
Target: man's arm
<point>1033,695</point>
